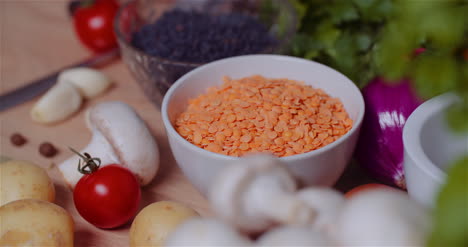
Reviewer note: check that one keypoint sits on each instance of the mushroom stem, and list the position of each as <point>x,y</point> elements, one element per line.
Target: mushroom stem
<point>328,204</point>
<point>98,147</point>
<point>256,192</point>
<point>267,197</point>
<point>120,137</point>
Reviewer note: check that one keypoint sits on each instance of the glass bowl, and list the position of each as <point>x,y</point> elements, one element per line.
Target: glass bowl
<point>156,74</point>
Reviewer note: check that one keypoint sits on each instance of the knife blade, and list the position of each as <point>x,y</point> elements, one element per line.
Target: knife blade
<point>37,87</point>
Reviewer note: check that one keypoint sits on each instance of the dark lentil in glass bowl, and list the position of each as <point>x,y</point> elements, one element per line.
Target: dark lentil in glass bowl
<point>161,40</point>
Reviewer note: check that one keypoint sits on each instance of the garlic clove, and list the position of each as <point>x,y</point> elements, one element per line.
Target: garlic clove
<point>61,101</point>
<point>89,82</point>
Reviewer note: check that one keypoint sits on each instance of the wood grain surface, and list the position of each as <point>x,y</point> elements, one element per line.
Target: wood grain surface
<point>36,38</point>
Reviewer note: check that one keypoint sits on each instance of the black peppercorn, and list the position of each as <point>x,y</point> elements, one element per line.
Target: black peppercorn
<point>48,150</point>
<point>17,139</point>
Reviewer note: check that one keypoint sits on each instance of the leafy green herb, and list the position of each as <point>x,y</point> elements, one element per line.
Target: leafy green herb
<point>441,27</point>
<point>451,213</point>
<point>368,38</point>
<point>341,34</point>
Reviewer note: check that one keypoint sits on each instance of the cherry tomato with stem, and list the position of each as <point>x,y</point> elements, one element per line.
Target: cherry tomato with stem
<point>93,21</point>
<point>106,197</point>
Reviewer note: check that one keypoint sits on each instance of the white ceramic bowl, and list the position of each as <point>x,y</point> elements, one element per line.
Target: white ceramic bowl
<point>319,167</point>
<point>430,147</point>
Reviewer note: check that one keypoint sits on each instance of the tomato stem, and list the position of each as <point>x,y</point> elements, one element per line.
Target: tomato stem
<point>90,164</point>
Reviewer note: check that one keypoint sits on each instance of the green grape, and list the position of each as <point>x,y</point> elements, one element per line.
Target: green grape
<point>451,212</point>
<point>443,27</point>
<point>434,74</point>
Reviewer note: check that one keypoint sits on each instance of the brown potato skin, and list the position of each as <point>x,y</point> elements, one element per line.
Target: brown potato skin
<point>22,180</point>
<point>157,220</point>
<point>32,222</point>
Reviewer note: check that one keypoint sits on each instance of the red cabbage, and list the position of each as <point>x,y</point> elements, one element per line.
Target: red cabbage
<point>380,147</point>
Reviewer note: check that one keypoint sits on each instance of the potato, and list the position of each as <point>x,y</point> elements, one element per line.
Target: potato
<point>32,222</point>
<point>156,221</point>
<point>22,180</point>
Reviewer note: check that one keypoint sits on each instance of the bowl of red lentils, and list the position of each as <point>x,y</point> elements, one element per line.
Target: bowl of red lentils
<point>162,40</point>
<point>305,113</point>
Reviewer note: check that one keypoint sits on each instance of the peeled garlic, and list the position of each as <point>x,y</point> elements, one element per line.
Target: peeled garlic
<point>65,98</point>
<point>89,82</point>
<point>58,103</point>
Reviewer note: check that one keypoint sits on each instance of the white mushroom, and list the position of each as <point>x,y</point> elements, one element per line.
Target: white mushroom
<point>120,136</point>
<point>257,191</point>
<point>382,217</point>
<point>205,232</point>
<point>327,202</point>
<point>294,236</point>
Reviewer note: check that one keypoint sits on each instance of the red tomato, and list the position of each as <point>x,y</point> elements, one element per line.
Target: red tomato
<point>108,197</point>
<point>364,187</point>
<point>93,21</point>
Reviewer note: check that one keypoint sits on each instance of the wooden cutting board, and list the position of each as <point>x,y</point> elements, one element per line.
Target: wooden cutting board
<point>36,38</point>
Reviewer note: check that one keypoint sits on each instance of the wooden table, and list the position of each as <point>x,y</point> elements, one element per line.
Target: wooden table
<point>36,38</point>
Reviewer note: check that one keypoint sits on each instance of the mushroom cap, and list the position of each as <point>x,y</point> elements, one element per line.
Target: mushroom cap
<point>120,137</point>
<point>230,197</point>
<point>199,231</point>
<point>383,217</point>
<point>294,236</point>
<point>129,137</point>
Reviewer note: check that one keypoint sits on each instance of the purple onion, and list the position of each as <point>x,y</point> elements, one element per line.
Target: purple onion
<point>380,147</point>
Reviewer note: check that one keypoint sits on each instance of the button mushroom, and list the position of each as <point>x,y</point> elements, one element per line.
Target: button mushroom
<point>121,137</point>
<point>294,236</point>
<point>327,202</point>
<point>205,232</point>
<point>257,191</point>
<point>382,217</point>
